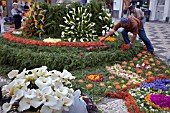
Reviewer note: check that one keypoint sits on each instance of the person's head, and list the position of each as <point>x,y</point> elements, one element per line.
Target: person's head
<point>26,3</point>
<point>15,5</point>
<point>124,21</point>
<point>132,8</point>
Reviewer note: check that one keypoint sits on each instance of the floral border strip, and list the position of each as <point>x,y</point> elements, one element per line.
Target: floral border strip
<point>11,38</point>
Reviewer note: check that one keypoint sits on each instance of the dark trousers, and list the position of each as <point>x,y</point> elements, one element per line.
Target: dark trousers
<point>143,37</point>
<point>17,21</point>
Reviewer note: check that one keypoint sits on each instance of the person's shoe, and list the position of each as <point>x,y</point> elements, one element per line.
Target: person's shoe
<point>152,52</point>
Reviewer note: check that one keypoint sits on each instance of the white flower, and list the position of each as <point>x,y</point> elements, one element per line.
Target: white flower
<point>43,82</point>
<point>72,27</point>
<point>6,107</point>
<point>18,94</point>
<point>30,94</point>
<point>143,64</point>
<point>67,101</point>
<point>100,17</point>
<point>36,102</point>
<point>62,91</point>
<point>24,104</point>
<point>51,100</point>
<point>142,96</point>
<point>142,104</point>
<point>13,74</point>
<point>67,75</point>
<point>58,106</point>
<point>47,90</point>
<point>70,11</point>
<point>77,18</point>
<point>46,109</point>
<point>22,74</point>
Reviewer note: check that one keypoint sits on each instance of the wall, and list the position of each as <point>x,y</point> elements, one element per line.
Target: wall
<point>166,9</point>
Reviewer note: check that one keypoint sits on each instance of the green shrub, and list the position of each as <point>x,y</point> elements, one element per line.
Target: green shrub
<point>24,56</point>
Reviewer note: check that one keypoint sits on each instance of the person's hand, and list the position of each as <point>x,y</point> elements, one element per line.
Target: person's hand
<point>102,39</point>
<point>130,45</point>
<point>20,14</point>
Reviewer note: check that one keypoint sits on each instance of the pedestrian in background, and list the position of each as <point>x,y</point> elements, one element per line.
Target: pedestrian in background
<point>1,10</point>
<point>17,15</point>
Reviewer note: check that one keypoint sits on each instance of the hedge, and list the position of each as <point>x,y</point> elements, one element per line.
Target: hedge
<point>24,56</point>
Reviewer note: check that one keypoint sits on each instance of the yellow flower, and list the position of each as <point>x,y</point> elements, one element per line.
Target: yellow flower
<point>110,39</point>
<point>123,86</point>
<point>36,23</point>
<point>40,12</point>
<point>149,72</point>
<point>109,87</point>
<point>43,18</point>
<point>167,71</point>
<point>122,81</point>
<point>41,26</point>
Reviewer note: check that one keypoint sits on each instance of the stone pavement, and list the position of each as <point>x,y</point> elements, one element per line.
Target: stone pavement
<point>159,35</point>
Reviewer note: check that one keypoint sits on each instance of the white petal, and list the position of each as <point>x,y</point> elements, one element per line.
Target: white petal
<point>58,106</point>
<point>13,99</point>
<point>22,74</point>
<point>42,82</point>
<point>36,102</point>
<point>67,101</point>
<point>66,74</point>
<point>62,90</point>
<point>19,93</point>
<point>47,90</point>
<point>30,94</point>
<point>66,108</point>
<point>6,107</point>
<point>50,100</point>
<point>13,74</point>
<point>46,109</point>
<point>24,104</point>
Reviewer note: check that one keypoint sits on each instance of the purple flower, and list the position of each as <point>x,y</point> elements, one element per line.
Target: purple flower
<point>161,100</point>
<point>163,84</point>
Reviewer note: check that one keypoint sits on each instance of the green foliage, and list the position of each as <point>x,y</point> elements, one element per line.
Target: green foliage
<point>24,56</point>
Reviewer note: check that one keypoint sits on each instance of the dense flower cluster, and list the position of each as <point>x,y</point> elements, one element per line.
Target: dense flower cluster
<point>159,101</point>
<point>163,84</point>
<point>118,71</point>
<point>95,77</point>
<point>109,39</point>
<point>129,100</point>
<point>39,88</point>
<point>78,26</point>
<point>11,38</point>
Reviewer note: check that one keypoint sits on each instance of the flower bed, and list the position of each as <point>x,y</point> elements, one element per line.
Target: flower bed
<point>11,38</point>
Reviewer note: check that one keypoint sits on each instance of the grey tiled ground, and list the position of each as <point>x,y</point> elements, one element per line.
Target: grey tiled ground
<point>159,34</point>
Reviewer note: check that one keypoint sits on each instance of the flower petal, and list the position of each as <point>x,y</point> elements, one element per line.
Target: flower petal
<point>6,107</point>
<point>50,100</point>
<point>24,104</point>
<point>46,109</point>
<point>13,74</point>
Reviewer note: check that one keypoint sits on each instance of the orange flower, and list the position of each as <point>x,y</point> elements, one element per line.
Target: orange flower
<point>123,67</point>
<point>139,71</point>
<point>143,52</point>
<point>116,83</point>
<point>111,77</point>
<point>124,62</point>
<point>163,67</point>
<point>102,84</point>
<point>89,86</point>
<point>132,64</point>
<point>156,69</point>
<point>118,87</point>
<point>135,59</point>
<point>158,62</point>
<point>80,81</point>
<point>139,55</point>
<point>95,77</point>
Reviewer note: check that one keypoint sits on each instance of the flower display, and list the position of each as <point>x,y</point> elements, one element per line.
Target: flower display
<point>17,32</point>
<point>34,21</point>
<point>130,76</point>
<point>11,38</point>
<point>78,26</point>
<point>50,90</point>
<point>162,84</point>
<point>51,40</point>
<point>95,77</point>
<point>110,39</point>
<point>159,101</point>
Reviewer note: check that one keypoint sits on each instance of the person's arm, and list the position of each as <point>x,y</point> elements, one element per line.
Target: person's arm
<point>133,38</point>
<point>107,35</point>
<point>141,15</point>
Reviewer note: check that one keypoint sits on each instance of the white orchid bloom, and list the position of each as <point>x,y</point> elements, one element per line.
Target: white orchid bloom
<point>58,85</point>
<point>36,102</point>
<point>13,74</point>
<point>6,107</point>
<point>62,91</point>
<point>51,100</point>
<point>67,101</point>
<point>58,106</point>
<point>30,94</point>
<point>46,109</point>
<point>24,104</point>
<point>67,75</point>
<point>18,94</point>
<point>22,74</point>
<point>43,82</point>
<point>47,90</point>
